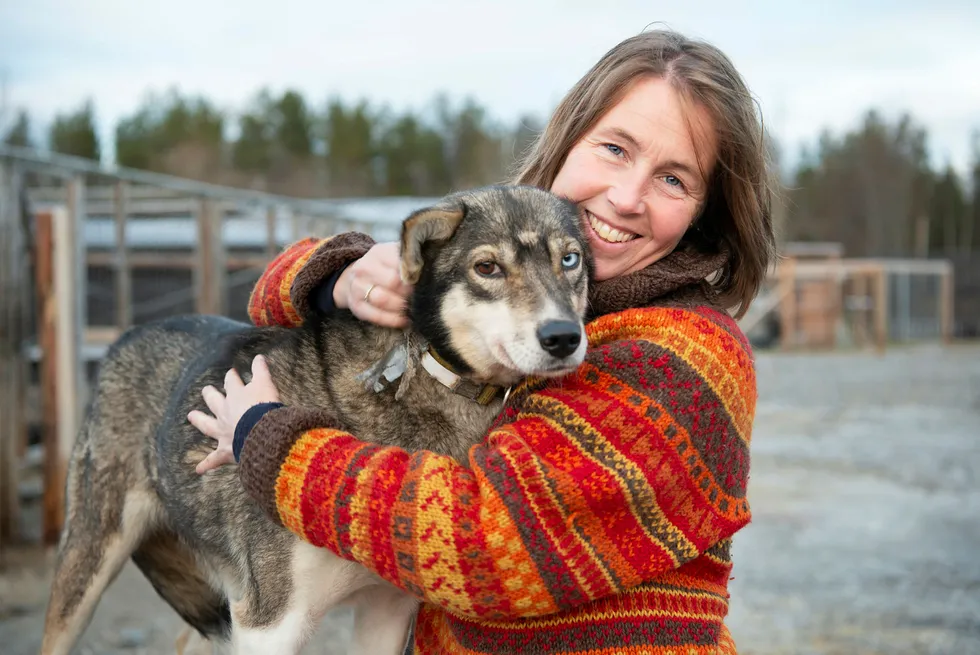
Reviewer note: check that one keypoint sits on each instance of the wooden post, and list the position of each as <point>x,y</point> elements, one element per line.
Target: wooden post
<point>124,279</point>
<point>74,227</point>
<point>210,269</point>
<point>48,343</point>
<point>946,304</point>
<point>787,308</point>
<point>859,315</point>
<point>836,292</point>
<point>202,268</point>
<point>881,308</point>
<point>59,332</point>
<point>12,368</point>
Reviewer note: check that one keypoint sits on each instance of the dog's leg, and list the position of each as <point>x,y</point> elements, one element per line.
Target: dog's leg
<point>382,617</point>
<point>175,572</point>
<point>90,556</point>
<point>272,614</point>
<point>285,637</point>
<point>284,606</point>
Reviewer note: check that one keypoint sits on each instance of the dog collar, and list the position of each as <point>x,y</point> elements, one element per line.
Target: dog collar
<point>438,368</point>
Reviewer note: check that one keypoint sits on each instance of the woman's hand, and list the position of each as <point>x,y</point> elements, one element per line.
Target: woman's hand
<point>229,409</point>
<point>372,287</point>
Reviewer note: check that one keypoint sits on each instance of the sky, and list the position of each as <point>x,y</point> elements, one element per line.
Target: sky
<point>811,66</point>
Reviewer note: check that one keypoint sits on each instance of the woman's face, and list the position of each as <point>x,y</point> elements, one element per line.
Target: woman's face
<point>636,175</point>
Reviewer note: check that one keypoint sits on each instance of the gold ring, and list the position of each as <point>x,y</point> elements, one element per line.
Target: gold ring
<point>367,294</point>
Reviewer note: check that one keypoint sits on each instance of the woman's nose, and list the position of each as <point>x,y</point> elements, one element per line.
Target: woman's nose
<point>627,195</point>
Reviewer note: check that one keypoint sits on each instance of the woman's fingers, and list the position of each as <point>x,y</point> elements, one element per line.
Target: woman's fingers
<point>214,399</point>
<point>393,282</point>
<point>382,297</point>
<point>232,380</point>
<point>206,424</point>
<point>215,459</point>
<point>381,317</point>
<point>382,307</point>
<point>261,387</point>
<point>372,287</point>
<point>260,369</point>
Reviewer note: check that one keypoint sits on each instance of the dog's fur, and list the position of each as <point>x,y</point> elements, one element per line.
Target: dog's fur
<point>206,547</point>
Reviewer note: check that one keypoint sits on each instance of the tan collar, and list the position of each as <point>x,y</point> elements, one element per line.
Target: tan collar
<point>440,369</point>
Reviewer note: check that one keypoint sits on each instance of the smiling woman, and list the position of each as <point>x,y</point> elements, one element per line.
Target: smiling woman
<point>637,175</point>
<point>598,513</point>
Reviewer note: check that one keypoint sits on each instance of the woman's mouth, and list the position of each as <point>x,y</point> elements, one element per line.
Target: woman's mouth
<point>607,232</point>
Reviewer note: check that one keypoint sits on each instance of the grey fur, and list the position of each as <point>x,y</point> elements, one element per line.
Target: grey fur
<point>206,547</point>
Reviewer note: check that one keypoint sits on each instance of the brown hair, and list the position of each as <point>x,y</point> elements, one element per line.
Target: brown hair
<point>736,215</point>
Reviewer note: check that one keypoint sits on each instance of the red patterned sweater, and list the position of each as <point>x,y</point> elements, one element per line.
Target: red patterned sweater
<point>595,518</point>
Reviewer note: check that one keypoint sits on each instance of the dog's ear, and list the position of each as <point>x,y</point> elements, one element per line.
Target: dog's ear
<point>436,224</point>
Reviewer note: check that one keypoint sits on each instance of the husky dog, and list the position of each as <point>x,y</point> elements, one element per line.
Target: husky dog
<point>500,280</point>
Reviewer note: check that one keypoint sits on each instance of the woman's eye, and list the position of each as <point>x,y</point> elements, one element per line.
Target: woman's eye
<point>614,149</point>
<point>570,260</point>
<point>487,269</point>
<point>673,181</point>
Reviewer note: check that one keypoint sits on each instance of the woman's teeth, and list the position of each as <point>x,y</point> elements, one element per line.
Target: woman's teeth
<point>607,233</point>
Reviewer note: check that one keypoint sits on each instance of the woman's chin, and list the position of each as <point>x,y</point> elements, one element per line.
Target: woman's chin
<point>628,261</point>
<point>607,266</point>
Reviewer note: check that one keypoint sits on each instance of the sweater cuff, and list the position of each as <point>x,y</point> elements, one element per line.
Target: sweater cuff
<point>267,448</point>
<point>247,422</point>
<point>322,296</point>
<point>333,255</point>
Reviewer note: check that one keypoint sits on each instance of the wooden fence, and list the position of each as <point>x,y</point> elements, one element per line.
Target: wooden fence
<point>84,239</point>
<point>815,298</point>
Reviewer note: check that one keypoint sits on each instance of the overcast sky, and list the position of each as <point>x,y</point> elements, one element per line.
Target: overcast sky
<point>811,65</point>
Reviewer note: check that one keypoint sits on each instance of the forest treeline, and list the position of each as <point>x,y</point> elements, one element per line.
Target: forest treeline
<point>871,188</point>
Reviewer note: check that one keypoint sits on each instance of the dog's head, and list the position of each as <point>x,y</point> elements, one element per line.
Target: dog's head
<point>501,280</point>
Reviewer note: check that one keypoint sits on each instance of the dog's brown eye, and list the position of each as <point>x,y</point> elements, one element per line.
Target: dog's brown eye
<point>487,269</point>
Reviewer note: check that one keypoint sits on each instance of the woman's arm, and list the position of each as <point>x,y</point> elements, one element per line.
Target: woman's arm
<point>283,293</point>
<point>631,467</point>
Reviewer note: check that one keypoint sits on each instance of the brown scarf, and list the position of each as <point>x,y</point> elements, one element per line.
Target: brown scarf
<point>681,269</point>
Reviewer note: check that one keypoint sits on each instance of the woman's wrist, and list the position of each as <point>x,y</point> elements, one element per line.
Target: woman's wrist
<point>340,286</point>
<point>247,422</point>
<point>323,301</point>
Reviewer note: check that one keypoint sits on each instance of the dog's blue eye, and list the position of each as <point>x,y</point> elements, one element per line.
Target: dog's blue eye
<point>570,260</point>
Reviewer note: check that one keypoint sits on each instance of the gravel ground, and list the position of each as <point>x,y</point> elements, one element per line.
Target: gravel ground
<point>866,501</point>
<point>865,539</point>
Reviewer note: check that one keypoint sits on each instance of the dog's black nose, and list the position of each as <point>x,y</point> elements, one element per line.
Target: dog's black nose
<point>559,338</point>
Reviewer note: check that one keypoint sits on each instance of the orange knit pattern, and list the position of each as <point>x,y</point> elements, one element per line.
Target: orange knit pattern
<point>270,302</point>
<point>596,517</point>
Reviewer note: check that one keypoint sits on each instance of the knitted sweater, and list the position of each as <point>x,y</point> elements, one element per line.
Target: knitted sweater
<point>597,515</point>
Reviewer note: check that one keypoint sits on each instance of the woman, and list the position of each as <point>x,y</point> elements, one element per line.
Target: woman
<point>598,513</point>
